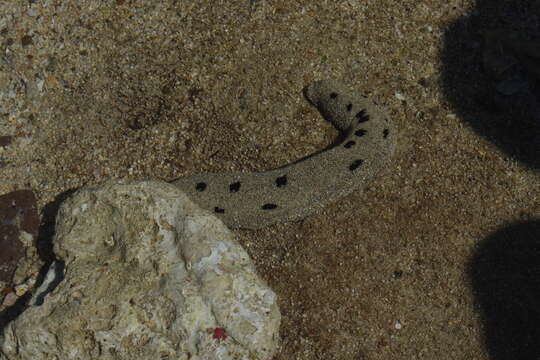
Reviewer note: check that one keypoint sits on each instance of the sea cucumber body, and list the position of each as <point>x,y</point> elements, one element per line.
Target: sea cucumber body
<point>291,192</point>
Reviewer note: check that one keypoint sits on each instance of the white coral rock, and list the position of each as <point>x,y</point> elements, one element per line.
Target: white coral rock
<point>148,275</point>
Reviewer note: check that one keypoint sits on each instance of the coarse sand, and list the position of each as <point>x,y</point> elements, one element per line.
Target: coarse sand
<point>92,90</point>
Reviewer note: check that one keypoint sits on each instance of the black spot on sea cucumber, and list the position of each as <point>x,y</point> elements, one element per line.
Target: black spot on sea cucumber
<point>200,186</point>
<point>349,144</point>
<point>349,107</point>
<point>219,210</point>
<point>385,133</point>
<point>281,181</point>
<point>5,140</point>
<point>234,187</point>
<point>269,206</point>
<point>333,95</point>
<point>360,132</point>
<point>362,116</point>
<point>356,164</point>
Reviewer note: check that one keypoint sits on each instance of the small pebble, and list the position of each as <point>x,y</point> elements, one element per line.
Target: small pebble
<point>22,289</point>
<point>9,300</point>
<point>397,325</point>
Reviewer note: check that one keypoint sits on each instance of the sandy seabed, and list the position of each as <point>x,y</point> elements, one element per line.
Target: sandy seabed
<point>435,260</point>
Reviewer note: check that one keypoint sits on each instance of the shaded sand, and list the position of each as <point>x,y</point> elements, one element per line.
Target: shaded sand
<point>130,89</point>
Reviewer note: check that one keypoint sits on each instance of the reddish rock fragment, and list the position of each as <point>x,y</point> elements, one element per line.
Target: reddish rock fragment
<point>20,207</point>
<point>18,211</point>
<point>11,250</point>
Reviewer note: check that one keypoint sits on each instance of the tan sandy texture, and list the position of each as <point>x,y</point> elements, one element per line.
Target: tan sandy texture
<point>160,89</point>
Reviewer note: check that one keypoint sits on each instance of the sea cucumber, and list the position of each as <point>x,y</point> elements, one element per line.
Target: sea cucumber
<point>253,200</point>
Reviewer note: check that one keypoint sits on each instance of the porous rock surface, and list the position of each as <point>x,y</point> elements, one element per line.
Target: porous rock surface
<point>148,275</point>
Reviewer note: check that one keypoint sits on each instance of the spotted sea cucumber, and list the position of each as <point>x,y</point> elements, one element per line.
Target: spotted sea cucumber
<point>253,200</point>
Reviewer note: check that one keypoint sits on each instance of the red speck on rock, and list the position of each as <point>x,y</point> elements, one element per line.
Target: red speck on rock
<point>219,334</point>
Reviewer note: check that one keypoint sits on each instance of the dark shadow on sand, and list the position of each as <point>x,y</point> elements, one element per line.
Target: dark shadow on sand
<point>511,121</point>
<point>505,276</point>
